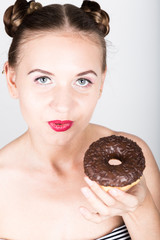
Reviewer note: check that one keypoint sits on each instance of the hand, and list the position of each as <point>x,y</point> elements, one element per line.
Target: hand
<point>112,203</point>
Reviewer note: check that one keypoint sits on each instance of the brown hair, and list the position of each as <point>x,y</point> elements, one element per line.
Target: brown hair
<point>26,17</point>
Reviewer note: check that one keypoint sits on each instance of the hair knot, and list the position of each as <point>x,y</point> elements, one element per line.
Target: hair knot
<point>33,6</point>
<point>15,14</point>
<point>100,17</point>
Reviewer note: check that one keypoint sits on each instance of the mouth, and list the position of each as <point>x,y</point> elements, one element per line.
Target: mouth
<point>60,126</point>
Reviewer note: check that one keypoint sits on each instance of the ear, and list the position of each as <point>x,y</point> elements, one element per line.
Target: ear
<point>102,82</point>
<point>11,80</point>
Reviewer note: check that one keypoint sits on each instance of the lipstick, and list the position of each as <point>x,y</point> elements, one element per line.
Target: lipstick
<point>60,126</point>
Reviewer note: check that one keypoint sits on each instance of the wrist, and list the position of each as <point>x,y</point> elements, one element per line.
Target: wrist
<point>144,222</point>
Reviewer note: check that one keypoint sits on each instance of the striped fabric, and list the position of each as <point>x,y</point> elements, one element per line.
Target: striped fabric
<point>120,233</point>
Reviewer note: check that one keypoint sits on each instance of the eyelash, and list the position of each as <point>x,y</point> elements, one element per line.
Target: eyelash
<point>43,77</point>
<point>89,82</point>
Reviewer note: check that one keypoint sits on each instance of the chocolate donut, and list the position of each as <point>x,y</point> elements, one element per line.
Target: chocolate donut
<point>99,153</point>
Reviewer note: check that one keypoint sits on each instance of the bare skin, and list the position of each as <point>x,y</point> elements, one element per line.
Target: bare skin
<point>38,203</point>
<point>42,182</point>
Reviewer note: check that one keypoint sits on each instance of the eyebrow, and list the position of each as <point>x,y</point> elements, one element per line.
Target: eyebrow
<point>87,72</point>
<point>41,71</point>
<point>49,73</point>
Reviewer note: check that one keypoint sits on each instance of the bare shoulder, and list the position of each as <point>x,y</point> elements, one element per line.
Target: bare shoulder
<point>150,160</point>
<point>7,153</point>
<point>8,160</point>
<point>10,175</point>
<point>151,165</point>
<point>10,153</point>
<point>151,172</point>
<point>97,131</point>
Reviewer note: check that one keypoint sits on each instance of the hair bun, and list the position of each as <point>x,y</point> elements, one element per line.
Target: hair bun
<point>15,14</point>
<point>33,6</point>
<point>100,17</point>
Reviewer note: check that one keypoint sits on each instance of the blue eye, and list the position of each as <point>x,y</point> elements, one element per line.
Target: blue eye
<point>43,80</point>
<point>82,82</point>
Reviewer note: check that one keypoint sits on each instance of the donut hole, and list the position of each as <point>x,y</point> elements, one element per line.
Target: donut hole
<point>114,161</point>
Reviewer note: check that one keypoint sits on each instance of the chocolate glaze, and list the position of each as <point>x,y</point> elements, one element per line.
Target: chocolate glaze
<point>97,167</point>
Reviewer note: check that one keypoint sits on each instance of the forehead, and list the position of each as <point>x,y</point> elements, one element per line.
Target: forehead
<point>61,48</point>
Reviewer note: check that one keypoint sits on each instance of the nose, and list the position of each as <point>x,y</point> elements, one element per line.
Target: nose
<point>62,101</point>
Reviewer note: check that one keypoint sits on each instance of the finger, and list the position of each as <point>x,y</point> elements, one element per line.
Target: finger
<point>124,198</point>
<point>95,202</point>
<point>90,216</point>
<point>102,194</point>
<point>139,190</point>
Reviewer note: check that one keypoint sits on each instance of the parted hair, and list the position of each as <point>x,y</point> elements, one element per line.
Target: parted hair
<point>23,17</point>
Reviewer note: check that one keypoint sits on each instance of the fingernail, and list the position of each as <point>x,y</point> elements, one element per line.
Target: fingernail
<point>114,192</point>
<point>90,182</point>
<point>86,192</point>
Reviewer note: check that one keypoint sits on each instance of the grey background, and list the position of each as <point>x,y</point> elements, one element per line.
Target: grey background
<point>130,101</point>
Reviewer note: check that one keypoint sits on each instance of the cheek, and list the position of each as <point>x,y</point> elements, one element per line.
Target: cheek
<point>88,105</point>
<point>30,105</point>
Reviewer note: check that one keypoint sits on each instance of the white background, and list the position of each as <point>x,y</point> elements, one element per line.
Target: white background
<point>130,101</point>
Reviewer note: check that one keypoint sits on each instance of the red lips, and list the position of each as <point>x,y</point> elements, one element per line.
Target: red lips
<point>60,126</point>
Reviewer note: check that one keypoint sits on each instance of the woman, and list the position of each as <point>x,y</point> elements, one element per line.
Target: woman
<point>56,68</point>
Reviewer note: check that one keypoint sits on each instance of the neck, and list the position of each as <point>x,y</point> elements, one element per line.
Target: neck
<point>53,156</point>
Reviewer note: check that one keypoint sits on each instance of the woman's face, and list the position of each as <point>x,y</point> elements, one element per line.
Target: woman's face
<point>59,77</point>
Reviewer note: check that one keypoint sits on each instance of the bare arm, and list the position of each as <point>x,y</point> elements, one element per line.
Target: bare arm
<point>139,207</point>
<point>144,222</point>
